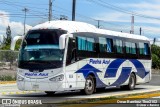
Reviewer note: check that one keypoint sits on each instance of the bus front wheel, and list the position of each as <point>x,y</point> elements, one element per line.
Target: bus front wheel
<point>89,85</point>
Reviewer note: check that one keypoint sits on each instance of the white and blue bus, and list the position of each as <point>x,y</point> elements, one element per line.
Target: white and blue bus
<point>69,55</point>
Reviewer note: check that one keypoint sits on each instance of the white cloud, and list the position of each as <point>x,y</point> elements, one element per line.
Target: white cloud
<point>150,26</point>
<point>16,27</point>
<point>142,5</point>
<point>4,19</point>
<point>112,16</point>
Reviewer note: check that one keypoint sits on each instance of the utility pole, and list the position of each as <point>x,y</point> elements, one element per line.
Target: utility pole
<point>25,11</point>
<point>132,24</point>
<point>140,30</point>
<point>154,41</point>
<point>98,23</point>
<point>73,10</point>
<point>50,10</point>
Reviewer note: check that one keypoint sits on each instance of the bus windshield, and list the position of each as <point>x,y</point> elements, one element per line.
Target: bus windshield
<point>40,48</point>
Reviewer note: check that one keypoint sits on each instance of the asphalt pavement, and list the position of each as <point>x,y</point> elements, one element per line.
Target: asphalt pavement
<point>155,81</point>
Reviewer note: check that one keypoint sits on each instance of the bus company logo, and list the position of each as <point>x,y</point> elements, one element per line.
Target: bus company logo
<point>98,61</point>
<point>36,74</point>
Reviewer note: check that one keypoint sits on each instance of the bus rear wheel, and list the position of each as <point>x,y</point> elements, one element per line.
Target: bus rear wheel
<point>89,85</point>
<point>131,84</point>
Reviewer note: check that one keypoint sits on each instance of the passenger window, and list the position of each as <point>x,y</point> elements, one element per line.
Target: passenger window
<point>146,49</point>
<point>90,44</point>
<point>105,44</point>
<point>119,46</point>
<point>102,44</point>
<point>81,43</point>
<point>86,43</point>
<point>130,48</point>
<point>143,48</point>
<point>109,45</point>
<point>133,48</point>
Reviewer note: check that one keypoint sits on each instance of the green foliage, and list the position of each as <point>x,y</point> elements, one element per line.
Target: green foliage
<point>9,37</point>
<point>7,78</point>
<point>155,61</point>
<point>155,56</point>
<point>6,47</point>
<point>7,40</point>
<point>18,44</point>
<point>155,50</point>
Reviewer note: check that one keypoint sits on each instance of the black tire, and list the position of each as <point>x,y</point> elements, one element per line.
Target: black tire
<point>132,82</point>
<point>50,92</point>
<point>89,85</point>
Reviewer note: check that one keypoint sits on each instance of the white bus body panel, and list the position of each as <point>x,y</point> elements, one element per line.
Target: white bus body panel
<point>41,82</point>
<point>74,75</point>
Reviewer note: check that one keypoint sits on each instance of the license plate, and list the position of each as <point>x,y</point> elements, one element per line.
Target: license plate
<point>35,86</point>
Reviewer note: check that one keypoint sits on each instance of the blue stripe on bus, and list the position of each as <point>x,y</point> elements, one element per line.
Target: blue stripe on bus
<point>113,68</point>
<point>123,76</point>
<point>141,72</point>
<point>88,69</point>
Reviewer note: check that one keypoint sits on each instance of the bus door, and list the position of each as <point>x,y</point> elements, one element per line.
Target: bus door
<point>71,63</point>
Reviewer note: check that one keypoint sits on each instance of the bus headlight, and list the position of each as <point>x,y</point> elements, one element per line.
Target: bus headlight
<point>57,78</point>
<point>19,78</point>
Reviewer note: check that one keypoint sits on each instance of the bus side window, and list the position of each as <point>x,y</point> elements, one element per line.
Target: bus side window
<point>146,49</point>
<point>81,43</point>
<point>74,52</point>
<point>86,44</point>
<point>71,53</point>
<point>102,44</point>
<point>90,44</point>
<point>141,48</point>
<point>119,46</point>
<point>130,47</point>
<point>109,45</point>
<point>105,44</point>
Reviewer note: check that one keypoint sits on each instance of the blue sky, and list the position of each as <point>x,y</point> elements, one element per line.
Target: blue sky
<point>115,14</point>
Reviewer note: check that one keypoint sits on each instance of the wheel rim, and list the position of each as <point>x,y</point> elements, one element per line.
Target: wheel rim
<point>89,85</point>
<point>132,82</point>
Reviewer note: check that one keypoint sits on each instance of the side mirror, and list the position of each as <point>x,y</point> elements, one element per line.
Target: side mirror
<point>62,40</point>
<point>14,40</point>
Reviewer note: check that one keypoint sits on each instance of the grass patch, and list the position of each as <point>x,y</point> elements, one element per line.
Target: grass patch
<point>7,78</point>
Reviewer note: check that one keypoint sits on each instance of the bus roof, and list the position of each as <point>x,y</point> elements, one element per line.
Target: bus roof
<point>75,26</point>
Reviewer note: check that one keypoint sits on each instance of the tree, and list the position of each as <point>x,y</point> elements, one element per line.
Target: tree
<point>7,40</point>
<point>9,37</point>
<point>17,46</point>
<point>2,37</point>
<point>155,56</point>
<point>155,61</point>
